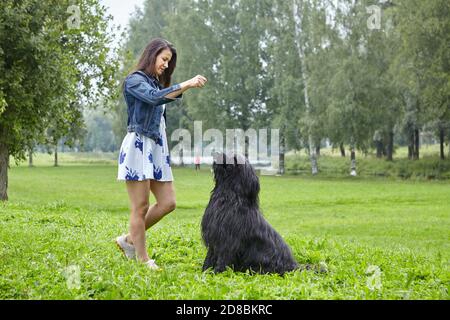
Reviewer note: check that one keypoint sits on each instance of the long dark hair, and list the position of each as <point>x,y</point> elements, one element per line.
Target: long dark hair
<point>147,60</point>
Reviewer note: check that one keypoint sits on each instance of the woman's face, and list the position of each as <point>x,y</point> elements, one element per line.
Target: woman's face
<point>162,61</point>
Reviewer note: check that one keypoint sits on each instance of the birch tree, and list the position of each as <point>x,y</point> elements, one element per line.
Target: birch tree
<point>300,41</point>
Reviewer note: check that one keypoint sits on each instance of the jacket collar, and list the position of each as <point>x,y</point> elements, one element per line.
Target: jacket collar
<point>152,78</point>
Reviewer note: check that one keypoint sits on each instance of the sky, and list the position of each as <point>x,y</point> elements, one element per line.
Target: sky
<point>121,10</point>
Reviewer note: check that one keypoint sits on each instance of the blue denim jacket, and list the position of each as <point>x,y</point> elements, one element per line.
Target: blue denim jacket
<point>145,97</point>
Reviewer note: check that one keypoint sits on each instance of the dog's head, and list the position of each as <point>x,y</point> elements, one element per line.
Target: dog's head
<point>234,171</point>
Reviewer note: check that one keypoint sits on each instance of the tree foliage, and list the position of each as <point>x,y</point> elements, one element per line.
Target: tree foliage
<point>54,57</point>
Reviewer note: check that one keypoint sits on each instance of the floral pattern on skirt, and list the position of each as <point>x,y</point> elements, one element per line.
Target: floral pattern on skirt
<point>142,158</point>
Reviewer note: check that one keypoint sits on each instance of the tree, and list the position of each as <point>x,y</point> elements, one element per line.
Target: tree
<point>226,42</point>
<point>303,43</point>
<point>352,91</point>
<point>99,133</point>
<point>52,54</point>
<point>422,66</point>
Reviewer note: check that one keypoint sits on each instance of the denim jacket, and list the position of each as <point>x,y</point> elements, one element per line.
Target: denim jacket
<point>145,97</point>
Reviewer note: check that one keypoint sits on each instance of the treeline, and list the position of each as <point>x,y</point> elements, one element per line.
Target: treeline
<point>358,74</point>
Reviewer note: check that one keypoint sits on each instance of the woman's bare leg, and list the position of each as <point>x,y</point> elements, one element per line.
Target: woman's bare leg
<point>165,203</point>
<point>138,192</point>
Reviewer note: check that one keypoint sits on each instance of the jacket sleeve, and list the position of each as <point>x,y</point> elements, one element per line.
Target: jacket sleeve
<point>138,87</point>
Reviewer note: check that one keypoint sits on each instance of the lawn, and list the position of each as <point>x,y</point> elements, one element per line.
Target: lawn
<point>57,231</point>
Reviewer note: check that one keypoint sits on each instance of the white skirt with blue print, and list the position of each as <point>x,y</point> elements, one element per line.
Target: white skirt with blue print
<point>142,158</point>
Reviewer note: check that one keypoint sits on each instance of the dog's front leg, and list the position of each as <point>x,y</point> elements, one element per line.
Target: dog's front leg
<point>222,264</point>
<point>209,260</point>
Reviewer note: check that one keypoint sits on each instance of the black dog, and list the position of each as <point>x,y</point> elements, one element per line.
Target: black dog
<point>233,228</point>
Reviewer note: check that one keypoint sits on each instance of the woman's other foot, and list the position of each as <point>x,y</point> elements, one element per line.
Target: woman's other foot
<point>127,249</point>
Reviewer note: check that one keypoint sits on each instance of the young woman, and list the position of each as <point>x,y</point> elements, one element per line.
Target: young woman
<point>144,161</point>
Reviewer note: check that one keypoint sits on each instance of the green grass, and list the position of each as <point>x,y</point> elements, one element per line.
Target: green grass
<point>68,216</point>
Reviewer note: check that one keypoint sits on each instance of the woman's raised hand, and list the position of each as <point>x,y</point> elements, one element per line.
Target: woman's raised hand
<point>198,81</point>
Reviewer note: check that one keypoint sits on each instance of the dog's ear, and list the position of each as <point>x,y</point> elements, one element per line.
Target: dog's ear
<point>247,181</point>
<point>252,181</point>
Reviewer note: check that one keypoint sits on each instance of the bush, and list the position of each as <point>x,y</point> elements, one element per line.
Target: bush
<point>427,168</point>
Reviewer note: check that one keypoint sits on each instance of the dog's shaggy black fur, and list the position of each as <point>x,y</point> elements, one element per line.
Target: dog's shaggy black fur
<point>233,228</point>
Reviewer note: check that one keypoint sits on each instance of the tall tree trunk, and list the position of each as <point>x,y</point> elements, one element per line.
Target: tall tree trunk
<point>411,145</point>
<point>384,150</point>
<point>30,157</point>
<point>281,169</point>
<point>301,53</point>
<point>341,146</point>
<point>312,150</point>
<point>379,145</point>
<point>441,141</point>
<point>390,146</point>
<point>56,156</point>
<point>378,139</point>
<point>318,151</point>
<point>416,144</point>
<point>4,165</point>
<point>353,160</point>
